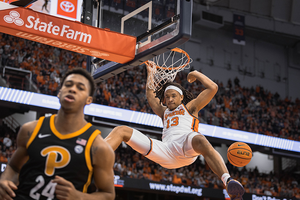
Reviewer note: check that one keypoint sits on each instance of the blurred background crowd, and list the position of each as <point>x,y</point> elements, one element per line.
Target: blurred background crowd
<point>234,106</point>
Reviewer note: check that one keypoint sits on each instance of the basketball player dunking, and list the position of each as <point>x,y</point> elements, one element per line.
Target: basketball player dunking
<point>181,142</point>
<point>58,156</point>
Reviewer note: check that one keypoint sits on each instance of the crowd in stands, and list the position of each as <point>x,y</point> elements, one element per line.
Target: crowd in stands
<point>8,143</point>
<point>133,165</point>
<point>234,106</point>
<point>47,63</point>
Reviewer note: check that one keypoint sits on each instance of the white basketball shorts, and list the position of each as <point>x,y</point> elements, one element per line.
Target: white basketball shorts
<point>169,154</point>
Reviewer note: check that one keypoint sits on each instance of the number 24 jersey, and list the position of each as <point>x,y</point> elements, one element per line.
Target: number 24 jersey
<point>51,153</point>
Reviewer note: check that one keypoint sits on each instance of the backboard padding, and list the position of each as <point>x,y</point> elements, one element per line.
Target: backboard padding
<point>178,36</point>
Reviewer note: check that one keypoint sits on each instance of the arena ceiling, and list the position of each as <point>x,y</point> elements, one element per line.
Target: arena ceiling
<point>274,21</point>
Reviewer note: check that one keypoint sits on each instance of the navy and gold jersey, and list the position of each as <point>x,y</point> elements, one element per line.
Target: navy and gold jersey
<point>51,153</point>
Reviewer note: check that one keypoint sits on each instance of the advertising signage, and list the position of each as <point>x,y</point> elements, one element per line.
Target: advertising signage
<point>66,34</point>
<point>170,188</point>
<point>162,187</point>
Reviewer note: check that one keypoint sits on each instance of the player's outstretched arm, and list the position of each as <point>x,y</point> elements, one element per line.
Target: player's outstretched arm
<point>154,102</point>
<point>103,161</point>
<point>206,95</point>
<point>9,178</point>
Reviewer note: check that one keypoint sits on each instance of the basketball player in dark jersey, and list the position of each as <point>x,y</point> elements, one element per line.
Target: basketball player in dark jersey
<point>58,156</point>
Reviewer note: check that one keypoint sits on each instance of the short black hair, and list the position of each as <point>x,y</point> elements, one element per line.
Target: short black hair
<point>83,72</point>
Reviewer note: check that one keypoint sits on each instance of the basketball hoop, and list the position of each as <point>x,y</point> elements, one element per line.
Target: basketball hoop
<point>164,68</point>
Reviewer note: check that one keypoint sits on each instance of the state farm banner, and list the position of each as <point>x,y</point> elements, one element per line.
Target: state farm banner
<point>66,34</point>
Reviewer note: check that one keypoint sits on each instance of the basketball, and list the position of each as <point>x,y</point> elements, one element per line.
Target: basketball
<point>239,154</point>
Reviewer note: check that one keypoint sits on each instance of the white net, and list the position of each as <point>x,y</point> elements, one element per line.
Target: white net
<point>164,68</point>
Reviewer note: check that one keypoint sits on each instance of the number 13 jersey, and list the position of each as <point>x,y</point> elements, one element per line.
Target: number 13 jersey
<point>51,153</point>
<point>178,122</point>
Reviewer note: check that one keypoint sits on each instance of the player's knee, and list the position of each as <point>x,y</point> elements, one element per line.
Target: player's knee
<point>199,140</point>
<point>201,145</point>
<point>124,131</point>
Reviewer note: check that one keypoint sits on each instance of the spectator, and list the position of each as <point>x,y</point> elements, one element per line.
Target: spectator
<point>3,158</point>
<point>40,79</point>
<point>53,88</point>
<point>7,141</point>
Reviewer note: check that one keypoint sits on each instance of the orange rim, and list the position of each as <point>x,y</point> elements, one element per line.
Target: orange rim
<point>151,63</point>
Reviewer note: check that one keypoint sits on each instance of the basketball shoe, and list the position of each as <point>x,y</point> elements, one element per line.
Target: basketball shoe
<point>235,189</point>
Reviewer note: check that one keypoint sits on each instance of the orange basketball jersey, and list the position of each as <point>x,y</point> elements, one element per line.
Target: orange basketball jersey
<point>178,122</point>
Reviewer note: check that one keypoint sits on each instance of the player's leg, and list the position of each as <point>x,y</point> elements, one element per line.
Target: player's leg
<point>216,163</point>
<point>153,149</point>
<point>117,135</point>
<point>159,152</point>
<point>134,138</point>
<point>202,146</point>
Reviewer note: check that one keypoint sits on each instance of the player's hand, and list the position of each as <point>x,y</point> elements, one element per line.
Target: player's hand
<point>191,77</point>
<point>6,190</point>
<point>65,190</point>
<point>150,79</point>
<point>148,67</point>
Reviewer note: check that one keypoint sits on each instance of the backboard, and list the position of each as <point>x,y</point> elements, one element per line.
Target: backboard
<point>159,26</point>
